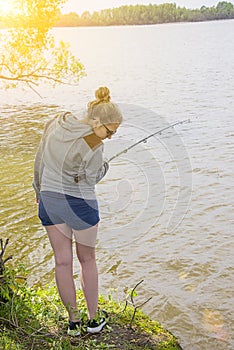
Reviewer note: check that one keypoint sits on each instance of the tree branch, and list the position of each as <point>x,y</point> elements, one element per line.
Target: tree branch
<point>132,302</point>
<point>2,262</point>
<point>8,68</point>
<point>34,76</point>
<point>34,90</point>
<point>3,246</point>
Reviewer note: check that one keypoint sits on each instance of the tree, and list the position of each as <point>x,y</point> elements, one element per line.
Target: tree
<point>71,19</point>
<point>29,54</point>
<point>225,10</point>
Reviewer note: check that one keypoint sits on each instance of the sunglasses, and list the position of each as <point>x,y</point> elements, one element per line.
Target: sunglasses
<point>108,131</point>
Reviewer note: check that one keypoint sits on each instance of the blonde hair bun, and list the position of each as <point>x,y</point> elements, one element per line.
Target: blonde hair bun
<point>103,109</point>
<point>102,94</point>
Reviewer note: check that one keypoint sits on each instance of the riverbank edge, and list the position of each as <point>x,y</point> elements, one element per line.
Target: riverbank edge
<point>34,318</point>
<point>3,26</point>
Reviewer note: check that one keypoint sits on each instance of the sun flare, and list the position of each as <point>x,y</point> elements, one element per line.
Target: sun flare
<point>7,7</point>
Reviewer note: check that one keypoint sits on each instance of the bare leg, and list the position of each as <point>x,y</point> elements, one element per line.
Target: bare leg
<point>89,272</point>
<point>60,237</point>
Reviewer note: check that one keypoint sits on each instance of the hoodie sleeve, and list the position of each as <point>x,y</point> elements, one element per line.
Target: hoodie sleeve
<point>38,163</point>
<point>96,168</point>
<point>38,170</point>
<point>102,171</point>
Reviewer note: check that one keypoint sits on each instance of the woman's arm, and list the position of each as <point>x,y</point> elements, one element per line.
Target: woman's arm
<point>38,163</point>
<point>102,171</point>
<point>38,170</point>
<point>96,168</point>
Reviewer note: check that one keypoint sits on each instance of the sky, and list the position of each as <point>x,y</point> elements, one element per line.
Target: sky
<point>79,6</point>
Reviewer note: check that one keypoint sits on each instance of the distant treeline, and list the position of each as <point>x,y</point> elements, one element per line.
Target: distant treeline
<point>147,14</point>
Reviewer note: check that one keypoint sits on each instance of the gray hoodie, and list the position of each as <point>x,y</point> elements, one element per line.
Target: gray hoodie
<point>69,159</point>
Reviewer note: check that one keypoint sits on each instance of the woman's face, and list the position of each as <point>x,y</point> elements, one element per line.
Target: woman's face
<point>106,131</point>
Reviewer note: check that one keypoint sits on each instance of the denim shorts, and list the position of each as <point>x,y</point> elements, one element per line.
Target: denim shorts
<point>57,208</point>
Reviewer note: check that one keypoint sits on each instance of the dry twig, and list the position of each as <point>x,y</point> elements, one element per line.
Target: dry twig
<point>3,261</point>
<point>132,303</point>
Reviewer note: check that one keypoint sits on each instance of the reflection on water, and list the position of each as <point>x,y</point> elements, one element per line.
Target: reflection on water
<point>213,321</point>
<point>21,129</point>
<point>187,270</point>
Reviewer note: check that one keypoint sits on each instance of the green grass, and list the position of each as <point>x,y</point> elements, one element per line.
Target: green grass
<point>34,318</point>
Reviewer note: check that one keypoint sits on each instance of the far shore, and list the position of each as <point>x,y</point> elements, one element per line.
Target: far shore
<point>3,26</point>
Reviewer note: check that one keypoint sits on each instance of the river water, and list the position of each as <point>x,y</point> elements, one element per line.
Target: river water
<point>166,205</point>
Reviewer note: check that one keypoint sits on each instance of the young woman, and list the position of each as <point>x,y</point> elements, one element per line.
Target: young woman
<point>68,164</point>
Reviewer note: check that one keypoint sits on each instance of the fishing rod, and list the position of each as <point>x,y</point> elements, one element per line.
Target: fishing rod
<point>147,137</point>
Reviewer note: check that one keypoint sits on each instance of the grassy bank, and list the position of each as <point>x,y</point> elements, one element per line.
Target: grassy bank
<point>34,318</point>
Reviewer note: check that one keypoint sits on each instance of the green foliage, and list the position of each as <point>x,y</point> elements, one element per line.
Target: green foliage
<point>147,14</point>
<point>29,54</point>
<point>33,318</point>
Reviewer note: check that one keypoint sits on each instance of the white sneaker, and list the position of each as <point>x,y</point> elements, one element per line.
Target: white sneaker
<point>73,329</point>
<point>96,325</point>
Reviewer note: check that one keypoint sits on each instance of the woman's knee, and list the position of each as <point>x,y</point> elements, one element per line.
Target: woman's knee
<point>63,262</point>
<point>85,254</point>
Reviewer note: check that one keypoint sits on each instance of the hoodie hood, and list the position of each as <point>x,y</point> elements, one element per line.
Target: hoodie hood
<point>69,127</point>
